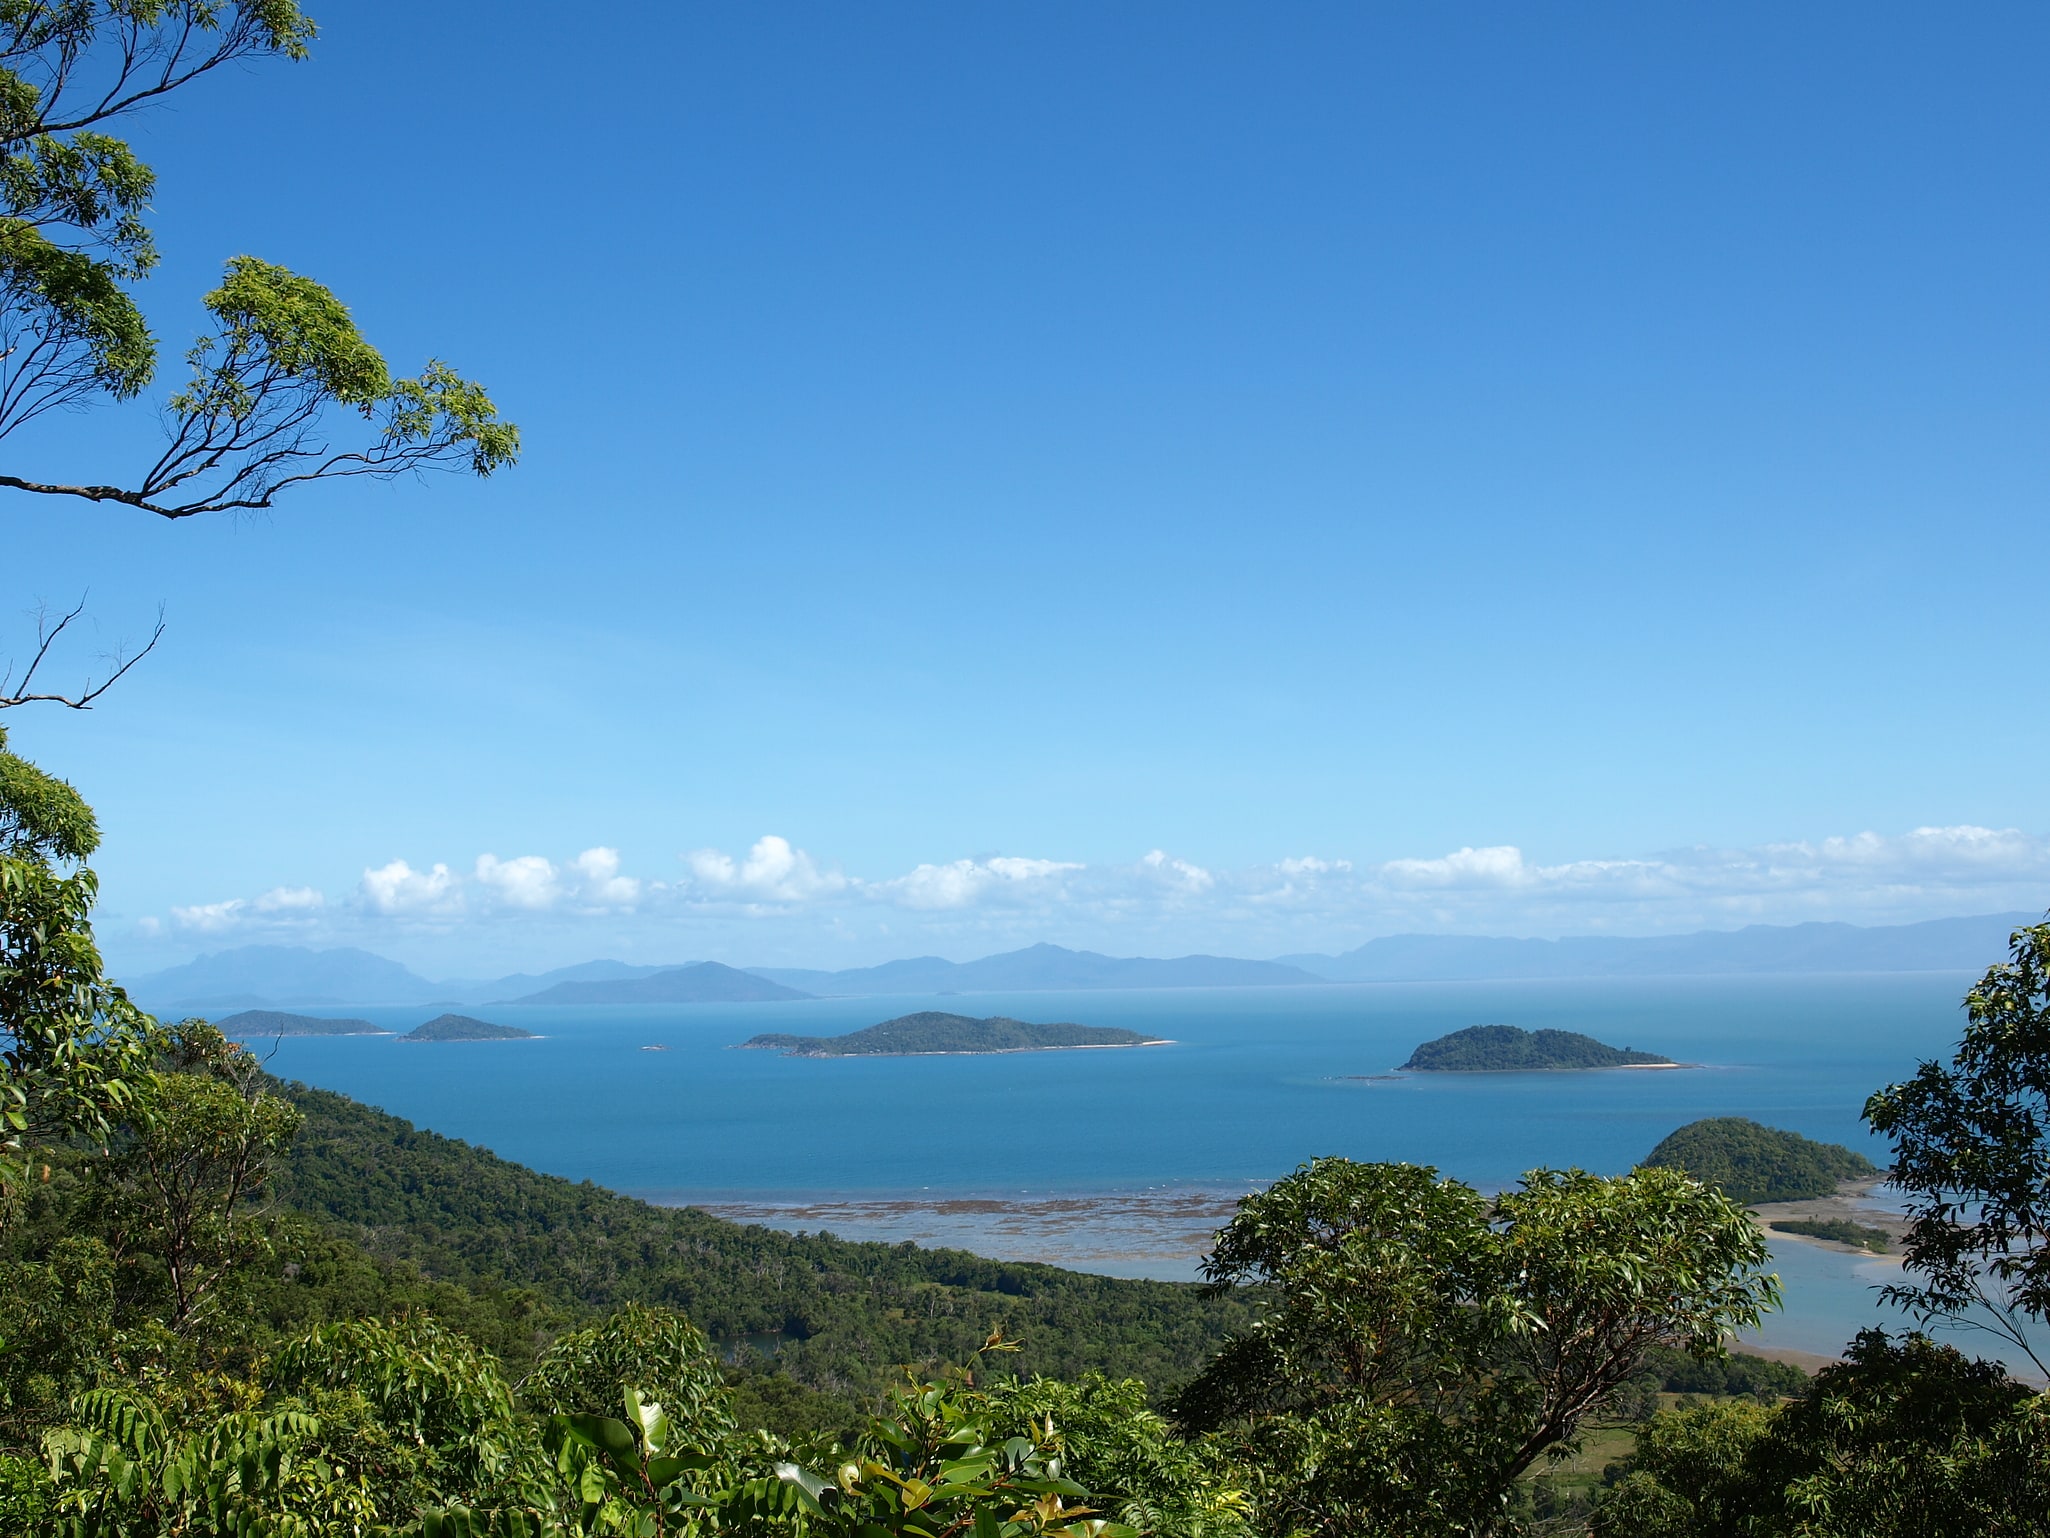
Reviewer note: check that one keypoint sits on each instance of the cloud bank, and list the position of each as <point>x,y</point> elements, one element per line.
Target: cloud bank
<point>775,901</point>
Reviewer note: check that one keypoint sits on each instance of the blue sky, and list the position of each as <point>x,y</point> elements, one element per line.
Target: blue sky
<point>972,450</point>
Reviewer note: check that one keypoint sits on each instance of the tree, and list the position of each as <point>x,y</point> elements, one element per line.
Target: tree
<point>282,391</point>
<point>1900,1439</point>
<point>1972,1151</point>
<point>1426,1347</point>
<point>74,1052</point>
<point>176,1197</point>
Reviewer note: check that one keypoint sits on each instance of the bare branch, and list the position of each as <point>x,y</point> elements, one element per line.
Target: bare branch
<point>25,692</point>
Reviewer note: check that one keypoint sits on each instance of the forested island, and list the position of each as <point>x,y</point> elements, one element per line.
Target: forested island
<point>1752,1163</point>
<point>1510,1049</point>
<point>272,1022</point>
<point>931,1031</point>
<point>466,1028</point>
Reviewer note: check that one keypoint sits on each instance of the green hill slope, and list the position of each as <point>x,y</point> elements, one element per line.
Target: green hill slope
<point>1753,1163</point>
<point>847,1312</point>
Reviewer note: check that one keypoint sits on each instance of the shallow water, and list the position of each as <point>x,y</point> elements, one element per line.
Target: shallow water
<point>1116,1160</point>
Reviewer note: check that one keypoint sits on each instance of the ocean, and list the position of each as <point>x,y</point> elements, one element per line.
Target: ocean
<point>1123,1161</point>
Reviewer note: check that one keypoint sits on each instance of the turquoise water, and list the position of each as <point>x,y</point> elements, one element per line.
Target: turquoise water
<point>1256,1081</point>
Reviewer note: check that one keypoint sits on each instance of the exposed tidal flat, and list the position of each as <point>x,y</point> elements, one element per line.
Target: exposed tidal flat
<point>1123,1162</point>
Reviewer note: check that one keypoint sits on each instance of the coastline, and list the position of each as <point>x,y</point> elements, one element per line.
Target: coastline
<point>1851,1202</point>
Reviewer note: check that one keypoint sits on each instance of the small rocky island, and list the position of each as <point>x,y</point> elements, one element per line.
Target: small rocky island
<point>933,1032</point>
<point>1510,1049</point>
<point>272,1022</point>
<point>466,1028</point>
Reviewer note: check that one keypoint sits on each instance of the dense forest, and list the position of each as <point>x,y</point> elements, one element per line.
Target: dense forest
<point>1752,1163</point>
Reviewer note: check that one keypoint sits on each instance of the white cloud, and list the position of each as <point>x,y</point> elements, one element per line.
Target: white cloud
<point>398,888</point>
<point>279,907</point>
<point>1179,874</point>
<point>771,872</point>
<point>962,883</point>
<point>1310,865</point>
<point>600,882</point>
<point>1500,865</point>
<point>290,899</point>
<point>525,882</point>
<point>1160,903</point>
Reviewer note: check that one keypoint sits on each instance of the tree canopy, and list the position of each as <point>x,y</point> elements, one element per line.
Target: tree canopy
<point>1752,1163</point>
<point>1971,1144</point>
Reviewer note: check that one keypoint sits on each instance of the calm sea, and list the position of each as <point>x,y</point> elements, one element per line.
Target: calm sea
<point>1119,1161</point>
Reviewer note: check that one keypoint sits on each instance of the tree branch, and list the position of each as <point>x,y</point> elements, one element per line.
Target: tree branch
<point>25,693</point>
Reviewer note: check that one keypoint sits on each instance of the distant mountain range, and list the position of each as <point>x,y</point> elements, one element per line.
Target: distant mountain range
<point>1939,945</point>
<point>267,976</point>
<point>706,983</point>
<point>1041,967</point>
<point>277,976</point>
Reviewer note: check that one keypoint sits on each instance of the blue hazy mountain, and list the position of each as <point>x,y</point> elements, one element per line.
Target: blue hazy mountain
<point>268,976</point>
<point>1939,945</point>
<point>265,976</point>
<point>706,983</point>
<point>1041,967</point>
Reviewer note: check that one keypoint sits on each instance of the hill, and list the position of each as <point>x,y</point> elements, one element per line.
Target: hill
<point>1509,1049</point>
<point>270,1022</point>
<point>1751,1163</point>
<point>931,1031</point>
<point>1939,945</point>
<point>706,983</point>
<point>843,1312</point>
<point>267,975</point>
<point>1040,967</point>
<point>465,1028</point>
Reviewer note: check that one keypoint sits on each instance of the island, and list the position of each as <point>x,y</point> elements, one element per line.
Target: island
<point>930,1031</point>
<point>1751,1163</point>
<point>272,1022</point>
<point>466,1028</point>
<point>1510,1049</point>
<point>1844,1231</point>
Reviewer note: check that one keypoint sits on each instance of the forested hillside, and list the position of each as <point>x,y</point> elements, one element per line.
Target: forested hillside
<point>849,1314</point>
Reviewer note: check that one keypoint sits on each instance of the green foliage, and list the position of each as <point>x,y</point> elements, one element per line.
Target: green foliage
<point>73,1051</point>
<point>1508,1048</point>
<point>285,366</point>
<point>933,1031</point>
<point>1836,1230</point>
<point>1735,1375</point>
<point>1972,1150</point>
<point>1750,1163</point>
<point>659,1354</point>
<point>1901,1439</point>
<point>1688,1477</point>
<point>56,1328</point>
<point>847,1314</point>
<point>1137,1468</point>
<point>174,1197</point>
<point>1426,1347</point>
<point>42,819</point>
